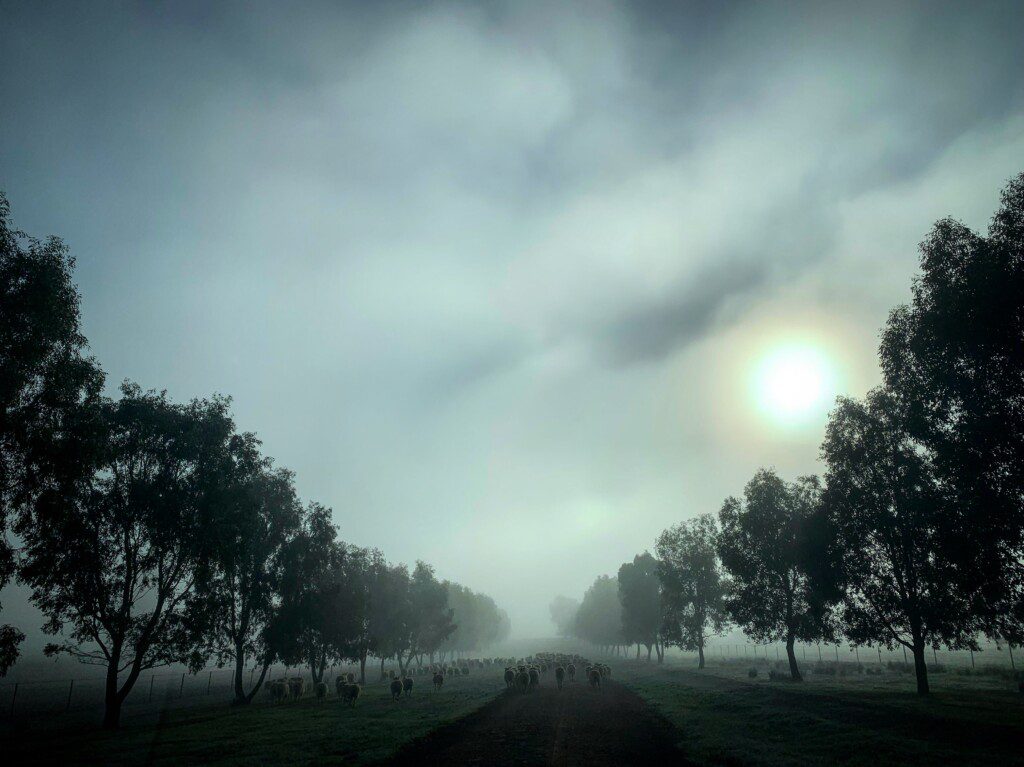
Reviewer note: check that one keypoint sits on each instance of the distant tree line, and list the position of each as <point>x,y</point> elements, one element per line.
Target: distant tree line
<point>914,536</point>
<point>152,532</point>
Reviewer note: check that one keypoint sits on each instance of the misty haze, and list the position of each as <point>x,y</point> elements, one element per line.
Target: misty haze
<point>555,383</point>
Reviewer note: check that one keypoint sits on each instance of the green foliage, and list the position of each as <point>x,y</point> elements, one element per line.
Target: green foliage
<point>693,591</point>
<point>889,519</point>
<point>640,600</point>
<point>763,547</point>
<point>599,619</point>
<point>563,614</point>
<point>955,358</point>
<point>43,374</point>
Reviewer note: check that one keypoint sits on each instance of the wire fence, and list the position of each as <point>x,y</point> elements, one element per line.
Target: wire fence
<point>152,691</point>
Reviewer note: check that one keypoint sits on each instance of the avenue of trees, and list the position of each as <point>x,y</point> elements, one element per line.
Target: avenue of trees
<point>914,535</point>
<point>151,532</point>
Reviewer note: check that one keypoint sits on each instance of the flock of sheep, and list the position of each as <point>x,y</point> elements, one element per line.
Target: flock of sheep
<point>523,675</point>
<point>526,674</point>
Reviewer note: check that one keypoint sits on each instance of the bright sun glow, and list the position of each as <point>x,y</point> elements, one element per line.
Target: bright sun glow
<point>793,382</point>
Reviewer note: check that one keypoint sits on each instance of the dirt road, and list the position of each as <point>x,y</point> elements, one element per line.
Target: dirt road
<point>575,726</point>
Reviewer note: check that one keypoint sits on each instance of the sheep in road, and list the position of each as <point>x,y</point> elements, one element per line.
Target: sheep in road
<point>438,680</point>
<point>407,685</point>
<point>522,681</point>
<point>510,677</point>
<point>572,671</point>
<point>559,676</point>
<point>534,677</point>
<point>350,693</point>
<point>594,675</point>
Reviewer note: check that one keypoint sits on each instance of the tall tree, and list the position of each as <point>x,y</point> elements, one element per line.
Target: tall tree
<point>44,372</point>
<point>599,619</point>
<point>763,547</point>
<point>320,606</point>
<point>112,551</point>
<point>693,592</point>
<point>563,614</point>
<point>640,596</point>
<point>955,357</point>
<point>889,518</point>
<point>258,517</point>
<point>431,619</point>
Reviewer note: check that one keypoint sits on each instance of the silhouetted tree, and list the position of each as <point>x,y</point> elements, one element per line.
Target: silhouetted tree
<point>320,611</point>
<point>763,547</point>
<point>430,620</point>
<point>43,373</point>
<point>563,614</point>
<point>889,517</point>
<point>955,357</point>
<point>693,592</point>
<point>640,596</point>
<point>599,619</point>
<point>479,623</point>
<point>112,550</point>
<point>258,516</point>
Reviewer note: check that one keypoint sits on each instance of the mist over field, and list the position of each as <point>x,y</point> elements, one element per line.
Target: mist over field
<point>494,279</point>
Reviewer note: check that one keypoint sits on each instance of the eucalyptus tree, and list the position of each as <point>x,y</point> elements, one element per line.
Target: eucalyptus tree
<point>431,618</point>
<point>114,544</point>
<point>599,619</point>
<point>763,546</point>
<point>692,585</point>
<point>44,373</point>
<point>889,518</point>
<point>320,613</point>
<point>563,611</point>
<point>955,357</point>
<point>258,518</point>
<point>478,621</point>
<point>640,597</point>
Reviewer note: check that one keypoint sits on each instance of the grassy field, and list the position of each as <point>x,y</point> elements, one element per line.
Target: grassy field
<point>294,733</point>
<point>727,718</point>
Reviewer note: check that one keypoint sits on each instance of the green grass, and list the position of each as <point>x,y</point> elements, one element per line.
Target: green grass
<point>725,718</point>
<point>293,733</point>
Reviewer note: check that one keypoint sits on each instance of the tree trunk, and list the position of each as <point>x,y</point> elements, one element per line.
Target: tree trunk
<point>794,672</point>
<point>240,697</point>
<point>638,651</point>
<point>648,653</point>
<point>362,668</point>
<point>700,654</point>
<point>382,667</point>
<point>920,668</point>
<point>259,683</point>
<point>111,700</point>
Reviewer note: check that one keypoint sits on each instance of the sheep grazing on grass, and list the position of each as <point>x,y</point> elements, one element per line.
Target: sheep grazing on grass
<point>438,680</point>
<point>559,676</point>
<point>396,688</point>
<point>296,686</point>
<point>510,677</point>
<point>572,672</point>
<point>351,678</point>
<point>339,684</point>
<point>407,685</point>
<point>350,693</point>
<point>522,680</point>
<point>278,690</point>
<point>594,676</point>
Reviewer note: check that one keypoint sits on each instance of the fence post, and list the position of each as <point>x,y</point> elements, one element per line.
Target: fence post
<point>181,688</point>
<point>14,697</point>
<point>151,678</point>
<point>71,689</point>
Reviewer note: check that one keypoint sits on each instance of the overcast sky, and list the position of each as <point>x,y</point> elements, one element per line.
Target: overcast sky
<point>495,279</point>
